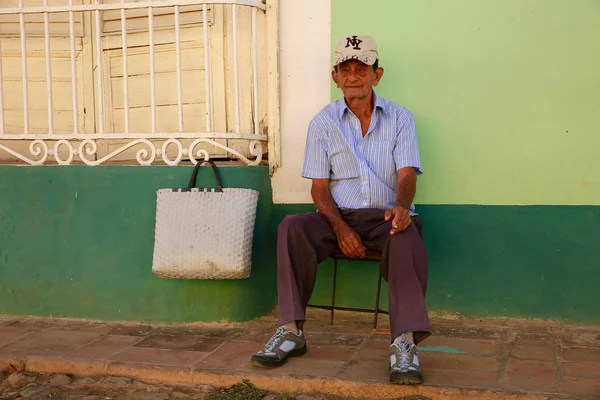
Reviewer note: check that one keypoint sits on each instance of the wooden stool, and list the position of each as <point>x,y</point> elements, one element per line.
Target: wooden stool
<point>372,254</point>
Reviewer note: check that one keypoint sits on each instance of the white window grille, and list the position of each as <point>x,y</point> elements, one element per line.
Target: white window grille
<point>162,81</point>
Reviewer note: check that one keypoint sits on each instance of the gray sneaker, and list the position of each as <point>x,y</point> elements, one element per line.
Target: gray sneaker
<point>283,344</point>
<point>404,364</point>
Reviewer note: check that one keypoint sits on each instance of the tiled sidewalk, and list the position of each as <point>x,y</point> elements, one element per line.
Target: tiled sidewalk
<point>465,358</point>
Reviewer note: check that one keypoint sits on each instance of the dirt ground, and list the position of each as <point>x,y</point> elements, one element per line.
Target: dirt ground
<point>29,386</point>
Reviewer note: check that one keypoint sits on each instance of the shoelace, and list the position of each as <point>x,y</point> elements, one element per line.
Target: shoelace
<point>405,361</point>
<point>279,333</point>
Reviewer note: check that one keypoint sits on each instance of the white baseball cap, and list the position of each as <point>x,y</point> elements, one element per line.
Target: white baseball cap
<point>355,47</point>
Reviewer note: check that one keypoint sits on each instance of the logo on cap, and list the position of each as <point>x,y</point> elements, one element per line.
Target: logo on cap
<point>355,47</point>
<point>353,41</point>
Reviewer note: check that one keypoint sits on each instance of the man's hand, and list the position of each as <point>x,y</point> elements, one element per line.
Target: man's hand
<point>400,218</point>
<point>349,241</point>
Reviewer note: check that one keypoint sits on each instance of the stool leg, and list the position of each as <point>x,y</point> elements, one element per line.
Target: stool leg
<point>377,302</point>
<point>333,290</point>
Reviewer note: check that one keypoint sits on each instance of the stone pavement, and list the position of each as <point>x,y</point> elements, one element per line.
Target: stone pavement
<point>464,359</point>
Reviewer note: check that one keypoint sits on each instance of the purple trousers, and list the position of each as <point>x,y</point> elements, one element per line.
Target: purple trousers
<point>305,240</point>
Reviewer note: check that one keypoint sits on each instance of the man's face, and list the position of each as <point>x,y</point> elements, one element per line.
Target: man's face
<point>356,79</point>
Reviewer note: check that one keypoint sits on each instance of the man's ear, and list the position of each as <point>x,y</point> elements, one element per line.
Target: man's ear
<point>335,77</point>
<point>378,75</point>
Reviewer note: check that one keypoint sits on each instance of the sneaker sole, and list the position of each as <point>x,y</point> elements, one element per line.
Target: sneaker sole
<point>409,378</point>
<point>267,363</point>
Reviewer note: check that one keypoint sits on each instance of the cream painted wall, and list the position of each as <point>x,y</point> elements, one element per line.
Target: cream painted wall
<point>305,47</point>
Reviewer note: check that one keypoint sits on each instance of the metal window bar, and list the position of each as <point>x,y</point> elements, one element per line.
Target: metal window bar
<point>125,69</point>
<point>100,94</point>
<point>48,70</point>
<point>73,69</point>
<point>255,72</point>
<point>207,68</point>
<point>178,59</point>
<point>88,147</point>
<point>128,6</point>
<point>1,94</point>
<point>236,69</point>
<point>152,70</point>
<point>24,69</point>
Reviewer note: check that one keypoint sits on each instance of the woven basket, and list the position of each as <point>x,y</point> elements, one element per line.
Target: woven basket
<point>204,233</point>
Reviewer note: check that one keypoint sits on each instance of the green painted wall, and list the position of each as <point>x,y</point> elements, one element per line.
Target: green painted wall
<point>77,242</point>
<point>509,261</point>
<point>506,93</point>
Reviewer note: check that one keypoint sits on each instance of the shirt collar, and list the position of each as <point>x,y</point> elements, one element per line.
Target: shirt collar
<point>379,103</point>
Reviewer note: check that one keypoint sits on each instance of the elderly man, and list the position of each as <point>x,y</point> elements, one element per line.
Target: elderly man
<point>362,157</point>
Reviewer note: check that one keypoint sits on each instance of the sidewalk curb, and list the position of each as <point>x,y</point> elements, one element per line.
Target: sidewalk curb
<point>274,383</point>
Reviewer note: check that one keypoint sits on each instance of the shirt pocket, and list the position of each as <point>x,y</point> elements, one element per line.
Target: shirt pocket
<point>383,159</point>
<point>343,161</point>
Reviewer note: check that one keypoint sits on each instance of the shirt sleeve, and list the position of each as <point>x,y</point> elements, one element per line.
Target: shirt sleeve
<point>406,151</point>
<point>316,162</point>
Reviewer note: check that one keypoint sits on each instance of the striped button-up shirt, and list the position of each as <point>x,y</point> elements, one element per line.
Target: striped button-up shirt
<point>362,170</point>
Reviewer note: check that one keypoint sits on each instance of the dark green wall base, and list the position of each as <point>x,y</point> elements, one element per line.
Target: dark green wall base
<point>77,242</point>
<point>531,262</point>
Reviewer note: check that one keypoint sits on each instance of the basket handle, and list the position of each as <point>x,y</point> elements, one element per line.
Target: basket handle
<point>192,183</point>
